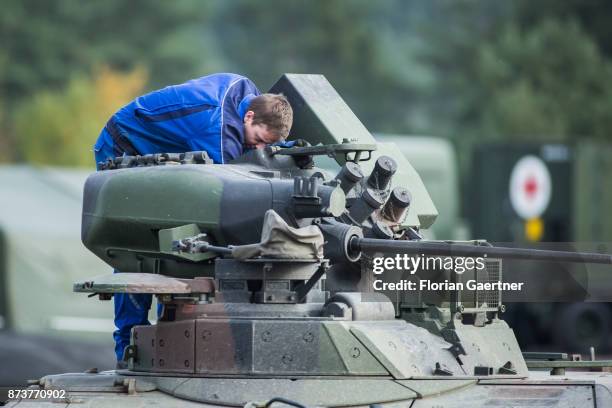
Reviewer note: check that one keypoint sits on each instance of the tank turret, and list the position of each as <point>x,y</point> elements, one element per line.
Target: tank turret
<point>264,270</point>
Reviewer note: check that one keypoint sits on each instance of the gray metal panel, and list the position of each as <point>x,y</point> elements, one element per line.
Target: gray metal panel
<point>224,346</point>
<point>320,115</point>
<point>175,347</point>
<point>404,349</point>
<point>355,356</point>
<point>167,347</point>
<point>492,345</point>
<point>289,347</point>
<point>143,338</point>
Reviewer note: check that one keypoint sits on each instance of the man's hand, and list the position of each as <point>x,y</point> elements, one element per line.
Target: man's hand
<point>292,143</point>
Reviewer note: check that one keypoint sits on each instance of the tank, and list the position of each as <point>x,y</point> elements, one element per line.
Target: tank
<point>265,270</point>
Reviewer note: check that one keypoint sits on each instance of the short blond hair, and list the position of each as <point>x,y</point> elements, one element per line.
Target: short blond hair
<point>274,111</point>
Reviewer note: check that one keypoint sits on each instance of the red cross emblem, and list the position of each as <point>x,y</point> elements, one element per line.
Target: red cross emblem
<point>530,187</point>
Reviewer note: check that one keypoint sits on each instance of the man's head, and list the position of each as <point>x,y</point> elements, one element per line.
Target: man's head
<point>267,120</point>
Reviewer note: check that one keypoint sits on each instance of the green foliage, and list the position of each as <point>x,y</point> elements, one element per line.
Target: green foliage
<point>60,127</point>
<point>358,45</point>
<point>469,70</point>
<point>550,81</point>
<point>47,42</point>
<point>500,77</point>
<point>593,16</point>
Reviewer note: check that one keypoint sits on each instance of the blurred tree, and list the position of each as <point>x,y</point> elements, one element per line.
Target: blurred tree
<point>464,69</point>
<point>593,17</point>
<point>550,81</point>
<point>47,42</point>
<point>60,127</point>
<point>364,49</point>
<point>50,43</point>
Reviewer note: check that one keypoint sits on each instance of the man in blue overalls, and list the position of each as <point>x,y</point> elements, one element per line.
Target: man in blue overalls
<point>222,114</point>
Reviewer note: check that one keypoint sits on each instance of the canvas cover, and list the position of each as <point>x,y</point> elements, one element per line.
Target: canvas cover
<point>280,241</point>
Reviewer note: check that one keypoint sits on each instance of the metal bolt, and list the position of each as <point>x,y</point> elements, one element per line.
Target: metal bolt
<point>287,358</point>
<point>187,333</point>
<point>266,336</point>
<point>355,352</point>
<point>186,363</point>
<point>206,335</point>
<point>161,342</point>
<point>308,337</point>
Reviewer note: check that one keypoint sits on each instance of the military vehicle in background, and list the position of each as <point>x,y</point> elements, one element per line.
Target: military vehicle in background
<point>43,326</point>
<point>264,269</point>
<point>547,193</point>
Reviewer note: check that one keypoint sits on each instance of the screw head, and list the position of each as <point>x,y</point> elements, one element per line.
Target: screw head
<point>206,334</point>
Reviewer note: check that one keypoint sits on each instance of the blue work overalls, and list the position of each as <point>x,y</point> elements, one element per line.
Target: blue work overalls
<point>202,114</point>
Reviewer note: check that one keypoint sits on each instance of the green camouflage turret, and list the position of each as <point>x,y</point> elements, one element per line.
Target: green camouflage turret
<point>264,269</point>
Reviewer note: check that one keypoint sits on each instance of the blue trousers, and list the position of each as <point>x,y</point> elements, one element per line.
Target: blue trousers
<point>131,309</point>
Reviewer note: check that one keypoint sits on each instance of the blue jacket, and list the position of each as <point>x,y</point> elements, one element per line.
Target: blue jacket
<point>202,114</point>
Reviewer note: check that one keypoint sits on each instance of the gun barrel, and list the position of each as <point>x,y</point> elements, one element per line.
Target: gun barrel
<point>441,248</point>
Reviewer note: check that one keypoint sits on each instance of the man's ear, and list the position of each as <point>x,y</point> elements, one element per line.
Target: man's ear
<point>248,116</point>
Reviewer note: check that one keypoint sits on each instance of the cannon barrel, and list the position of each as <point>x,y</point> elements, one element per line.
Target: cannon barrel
<point>370,245</point>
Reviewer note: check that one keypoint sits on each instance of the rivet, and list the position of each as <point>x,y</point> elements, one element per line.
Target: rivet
<point>206,335</point>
